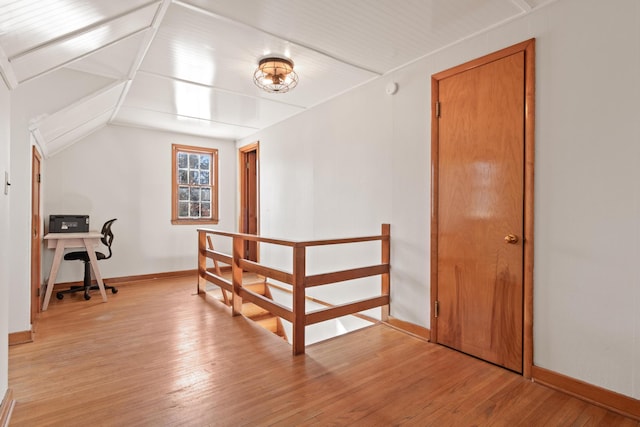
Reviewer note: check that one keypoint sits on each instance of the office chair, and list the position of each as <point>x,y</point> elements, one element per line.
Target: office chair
<point>107,240</point>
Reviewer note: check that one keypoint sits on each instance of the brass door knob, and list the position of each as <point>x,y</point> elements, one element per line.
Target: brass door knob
<point>511,238</point>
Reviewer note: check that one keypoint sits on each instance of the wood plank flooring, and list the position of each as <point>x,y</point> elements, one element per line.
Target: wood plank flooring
<point>157,354</point>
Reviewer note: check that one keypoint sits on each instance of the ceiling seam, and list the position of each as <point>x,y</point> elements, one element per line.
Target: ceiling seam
<point>80,31</point>
<point>145,45</point>
<point>83,135</point>
<point>37,123</point>
<point>523,4</point>
<point>84,55</point>
<point>188,117</point>
<point>173,131</point>
<point>89,97</point>
<point>75,129</point>
<point>8,75</point>
<point>469,36</point>
<point>221,90</point>
<point>285,39</point>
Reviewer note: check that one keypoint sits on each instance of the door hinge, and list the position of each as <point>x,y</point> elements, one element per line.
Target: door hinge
<point>437,109</point>
<point>39,178</point>
<point>436,309</point>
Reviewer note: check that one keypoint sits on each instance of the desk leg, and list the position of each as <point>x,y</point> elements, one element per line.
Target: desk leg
<point>88,243</point>
<point>57,258</point>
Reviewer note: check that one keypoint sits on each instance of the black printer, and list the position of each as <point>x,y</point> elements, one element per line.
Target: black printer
<point>68,223</point>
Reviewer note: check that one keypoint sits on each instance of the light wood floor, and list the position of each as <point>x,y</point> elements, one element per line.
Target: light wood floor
<point>158,355</point>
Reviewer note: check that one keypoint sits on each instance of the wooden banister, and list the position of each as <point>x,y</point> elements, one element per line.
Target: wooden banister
<point>345,309</point>
<point>340,241</point>
<point>386,276</point>
<point>299,306</point>
<point>254,267</point>
<point>344,275</point>
<point>236,275</point>
<point>215,256</point>
<point>269,305</point>
<point>218,257</point>
<point>298,278</point>
<point>219,281</point>
<point>202,263</point>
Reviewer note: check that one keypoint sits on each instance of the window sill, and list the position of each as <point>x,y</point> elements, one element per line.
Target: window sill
<point>193,221</point>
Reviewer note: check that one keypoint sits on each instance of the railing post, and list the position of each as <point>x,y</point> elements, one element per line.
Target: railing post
<point>386,259</point>
<point>236,274</point>
<point>202,263</point>
<point>299,309</point>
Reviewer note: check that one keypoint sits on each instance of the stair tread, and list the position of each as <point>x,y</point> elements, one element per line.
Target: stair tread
<point>270,324</point>
<point>251,310</point>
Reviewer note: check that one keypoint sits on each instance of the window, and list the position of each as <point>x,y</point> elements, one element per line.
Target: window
<point>194,175</point>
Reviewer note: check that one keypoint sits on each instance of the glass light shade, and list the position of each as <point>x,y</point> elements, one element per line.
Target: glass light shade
<point>275,75</point>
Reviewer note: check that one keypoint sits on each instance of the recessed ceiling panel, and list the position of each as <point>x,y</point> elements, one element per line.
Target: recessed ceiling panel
<point>224,54</point>
<point>75,134</point>
<point>27,24</point>
<point>64,50</point>
<point>197,47</point>
<point>172,123</point>
<point>193,101</point>
<point>196,63</point>
<point>114,61</point>
<point>378,35</point>
<point>65,121</point>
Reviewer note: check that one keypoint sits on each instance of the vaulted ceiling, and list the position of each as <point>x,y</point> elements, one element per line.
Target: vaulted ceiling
<point>187,65</point>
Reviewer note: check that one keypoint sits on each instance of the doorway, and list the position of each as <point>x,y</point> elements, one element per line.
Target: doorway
<point>249,196</point>
<point>482,215</point>
<point>36,234</point>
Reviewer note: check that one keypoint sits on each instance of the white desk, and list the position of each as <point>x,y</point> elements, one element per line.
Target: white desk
<point>60,241</point>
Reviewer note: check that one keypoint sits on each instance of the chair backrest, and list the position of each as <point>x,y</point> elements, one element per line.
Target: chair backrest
<point>107,235</point>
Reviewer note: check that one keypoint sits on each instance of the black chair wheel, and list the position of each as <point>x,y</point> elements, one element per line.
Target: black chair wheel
<point>59,295</point>
<point>114,291</point>
<point>87,297</point>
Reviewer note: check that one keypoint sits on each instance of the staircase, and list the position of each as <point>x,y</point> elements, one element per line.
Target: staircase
<point>254,283</point>
<point>249,310</point>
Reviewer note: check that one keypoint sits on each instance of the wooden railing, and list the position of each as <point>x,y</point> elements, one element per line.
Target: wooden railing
<point>297,278</point>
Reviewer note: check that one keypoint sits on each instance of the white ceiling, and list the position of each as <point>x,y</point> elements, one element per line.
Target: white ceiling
<point>187,65</point>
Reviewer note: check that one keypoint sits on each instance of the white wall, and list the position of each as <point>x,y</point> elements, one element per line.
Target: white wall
<point>344,167</point>
<point>5,243</point>
<point>125,173</point>
<point>587,287</point>
<point>30,100</point>
<point>304,193</point>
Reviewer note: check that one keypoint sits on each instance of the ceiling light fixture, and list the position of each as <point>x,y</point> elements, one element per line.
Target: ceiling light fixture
<point>275,75</point>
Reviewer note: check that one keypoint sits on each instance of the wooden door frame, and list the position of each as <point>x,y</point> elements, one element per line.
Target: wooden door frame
<point>36,250</point>
<point>528,47</point>
<point>243,153</point>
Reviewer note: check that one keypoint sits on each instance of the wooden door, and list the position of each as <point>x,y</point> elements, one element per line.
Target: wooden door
<point>36,234</point>
<point>479,218</point>
<point>249,197</point>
